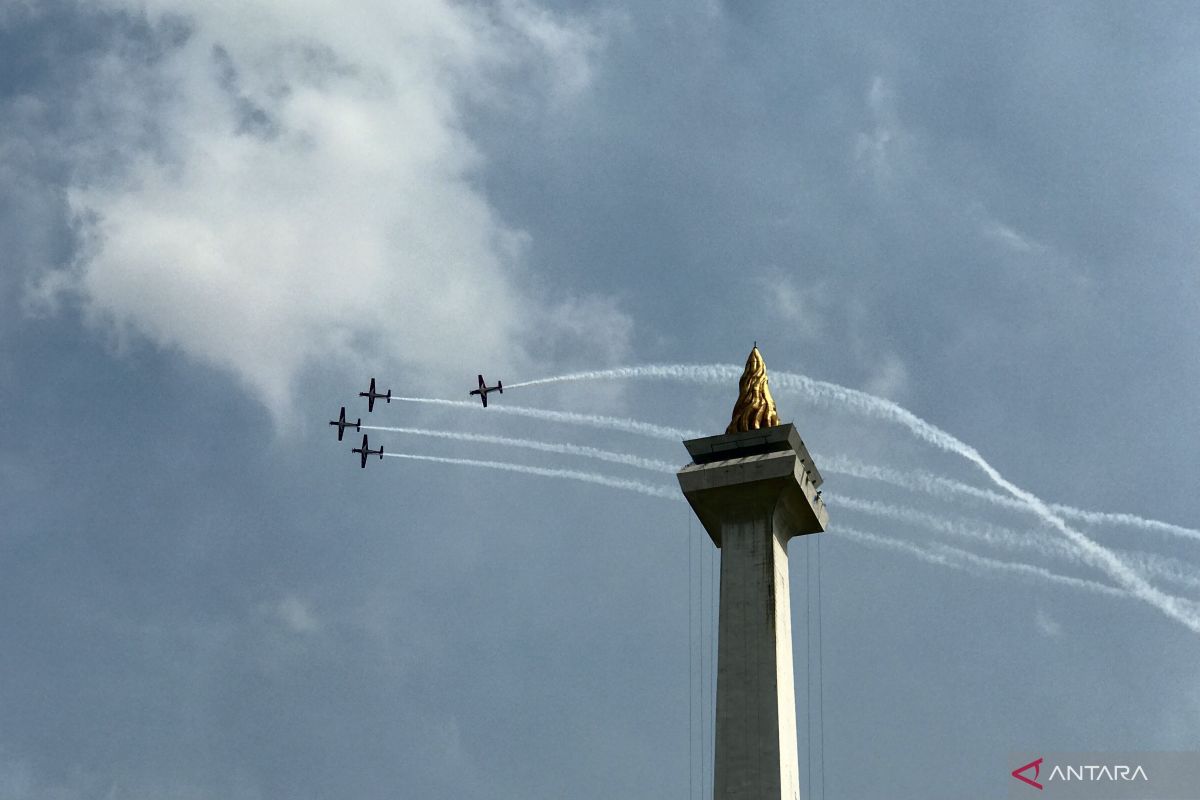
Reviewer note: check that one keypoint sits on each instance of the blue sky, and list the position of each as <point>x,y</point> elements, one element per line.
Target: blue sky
<point>218,220</point>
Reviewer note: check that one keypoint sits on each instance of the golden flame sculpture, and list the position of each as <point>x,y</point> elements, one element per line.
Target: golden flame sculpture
<point>755,407</point>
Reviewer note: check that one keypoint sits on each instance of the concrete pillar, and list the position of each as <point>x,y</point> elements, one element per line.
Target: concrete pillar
<point>753,492</point>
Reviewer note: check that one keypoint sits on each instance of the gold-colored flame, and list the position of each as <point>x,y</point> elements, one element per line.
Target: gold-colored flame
<point>755,407</point>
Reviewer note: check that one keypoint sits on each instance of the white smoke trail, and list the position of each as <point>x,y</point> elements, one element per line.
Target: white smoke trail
<point>570,418</point>
<point>988,534</point>
<point>1150,564</point>
<point>947,489</point>
<point>1133,521</point>
<point>1092,552</point>
<point>947,556</point>
<point>1169,569</point>
<point>569,474</point>
<point>914,480</point>
<point>654,465</point>
<point>695,373</point>
<point>933,485</point>
<point>837,396</point>
<point>841,398</point>
<point>937,553</point>
<point>1165,568</point>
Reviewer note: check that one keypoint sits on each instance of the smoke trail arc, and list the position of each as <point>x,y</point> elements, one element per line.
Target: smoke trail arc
<point>1005,538</point>
<point>626,459</point>
<point>939,554</point>
<point>569,474</point>
<point>568,417</point>
<point>722,374</point>
<point>956,558</point>
<point>1159,567</point>
<point>840,398</point>
<point>934,485</point>
<point>949,489</point>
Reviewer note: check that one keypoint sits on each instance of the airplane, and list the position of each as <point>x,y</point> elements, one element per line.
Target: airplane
<point>367,451</point>
<point>483,390</point>
<point>342,424</point>
<point>372,396</point>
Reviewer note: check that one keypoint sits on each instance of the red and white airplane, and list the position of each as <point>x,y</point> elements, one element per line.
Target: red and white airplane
<point>367,451</point>
<point>483,390</point>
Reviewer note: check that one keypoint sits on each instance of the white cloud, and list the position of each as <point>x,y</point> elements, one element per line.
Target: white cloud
<point>568,49</point>
<point>793,303</point>
<point>889,378</point>
<point>590,329</point>
<point>1046,625</point>
<point>296,186</point>
<point>1009,238</point>
<point>296,615</point>
<point>877,150</point>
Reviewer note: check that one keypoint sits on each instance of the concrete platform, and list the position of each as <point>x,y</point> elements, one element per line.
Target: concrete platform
<point>765,467</point>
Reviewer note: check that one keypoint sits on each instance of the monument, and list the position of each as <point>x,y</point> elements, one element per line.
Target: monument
<point>754,488</point>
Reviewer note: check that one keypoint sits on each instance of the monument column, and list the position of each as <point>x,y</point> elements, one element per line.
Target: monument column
<point>753,489</point>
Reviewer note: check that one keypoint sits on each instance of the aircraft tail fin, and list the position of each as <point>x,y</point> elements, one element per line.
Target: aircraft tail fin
<point>500,386</point>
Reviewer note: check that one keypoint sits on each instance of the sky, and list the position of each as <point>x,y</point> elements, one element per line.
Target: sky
<point>963,236</point>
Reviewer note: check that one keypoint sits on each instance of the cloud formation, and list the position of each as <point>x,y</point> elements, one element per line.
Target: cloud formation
<point>294,182</point>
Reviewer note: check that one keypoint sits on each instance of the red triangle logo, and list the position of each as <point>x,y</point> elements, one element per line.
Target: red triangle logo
<point>1037,768</point>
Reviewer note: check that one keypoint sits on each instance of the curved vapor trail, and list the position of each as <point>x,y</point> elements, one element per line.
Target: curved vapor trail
<point>1166,568</point>
<point>955,558</point>
<point>917,481</point>
<point>702,373</point>
<point>941,554</point>
<point>838,396</point>
<point>568,417</point>
<point>948,489</point>
<point>654,465</point>
<point>1095,553</point>
<point>841,398</point>
<point>988,534</point>
<point>569,474</point>
<point>1118,518</point>
<point>1157,566</point>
